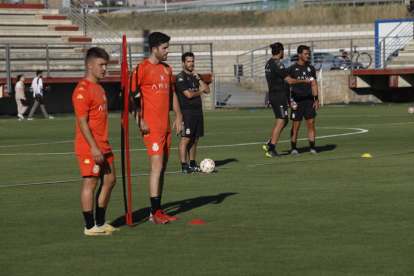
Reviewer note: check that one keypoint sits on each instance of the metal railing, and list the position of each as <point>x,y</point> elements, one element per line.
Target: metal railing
<point>67,59</point>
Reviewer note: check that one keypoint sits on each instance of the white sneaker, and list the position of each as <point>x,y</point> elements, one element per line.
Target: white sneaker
<point>294,152</point>
<point>51,117</point>
<point>21,117</point>
<point>313,152</point>
<point>109,228</point>
<point>30,119</point>
<point>96,231</point>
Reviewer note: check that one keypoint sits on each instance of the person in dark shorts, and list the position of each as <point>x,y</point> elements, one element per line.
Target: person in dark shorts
<point>304,101</point>
<point>278,81</point>
<point>189,86</point>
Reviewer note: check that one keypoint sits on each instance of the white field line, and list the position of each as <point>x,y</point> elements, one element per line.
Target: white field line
<point>358,131</point>
<point>232,167</point>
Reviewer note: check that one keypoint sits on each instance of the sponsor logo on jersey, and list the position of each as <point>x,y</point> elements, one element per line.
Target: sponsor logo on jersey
<point>96,169</point>
<point>80,97</point>
<point>87,161</point>
<point>162,77</point>
<point>155,147</point>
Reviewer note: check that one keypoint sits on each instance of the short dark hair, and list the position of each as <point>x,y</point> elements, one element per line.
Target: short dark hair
<point>188,54</point>
<point>302,48</point>
<point>276,48</point>
<point>155,39</point>
<point>96,52</point>
<point>19,77</point>
<point>38,72</point>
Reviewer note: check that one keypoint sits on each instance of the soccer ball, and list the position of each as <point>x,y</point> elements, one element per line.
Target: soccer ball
<point>207,165</point>
<point>411,110</point>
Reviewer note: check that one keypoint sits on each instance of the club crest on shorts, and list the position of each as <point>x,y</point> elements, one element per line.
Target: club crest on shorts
<point>96,169</point>
<point>285,112</point>
<point>293,115</point>
<point>155,147</point>
<point>187,131</point>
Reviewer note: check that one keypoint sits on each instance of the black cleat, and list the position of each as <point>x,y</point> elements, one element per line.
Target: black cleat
<point>195,169</point>
<point>273,153</point>
<point>186,169</point>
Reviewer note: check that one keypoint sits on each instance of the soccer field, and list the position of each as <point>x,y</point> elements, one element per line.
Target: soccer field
<point>333,214</point>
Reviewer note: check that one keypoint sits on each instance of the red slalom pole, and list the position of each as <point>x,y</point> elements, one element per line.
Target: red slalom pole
<point>125,132</point>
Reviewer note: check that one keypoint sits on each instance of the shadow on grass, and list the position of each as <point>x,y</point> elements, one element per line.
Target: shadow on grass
<point>173,208</point>
<point>225,161</point>
<point>318,149</point>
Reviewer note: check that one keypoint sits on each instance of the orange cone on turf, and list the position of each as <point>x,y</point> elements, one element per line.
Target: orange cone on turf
<point>196,222</point>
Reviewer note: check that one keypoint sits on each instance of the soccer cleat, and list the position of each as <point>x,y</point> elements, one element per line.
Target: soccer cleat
<point>30,119</point>
<point>169,218</point>
<point>266,146</point>
<point>158,218</point>
<point>195,169</point>
<point>109,228</point>
<point>51,117</point>
<point>294,152</point>
<point>273,153</point>
<point>313,152</point>
<point>186,169</point>
<point>21,117</point>
<point>97,231</point>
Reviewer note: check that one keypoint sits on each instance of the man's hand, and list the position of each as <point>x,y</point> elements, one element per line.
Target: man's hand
<point>316,105</point>
<point>178,124</point>
<point>143,127</point>
<point>196,75</point>
<point>293,105</point>
<point>97,155</point>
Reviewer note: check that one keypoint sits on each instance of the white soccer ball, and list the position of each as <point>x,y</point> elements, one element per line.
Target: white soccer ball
<point>207,165</point>
<point>411,110</point>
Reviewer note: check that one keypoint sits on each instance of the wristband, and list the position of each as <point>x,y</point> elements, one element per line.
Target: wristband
<point>316,98</point>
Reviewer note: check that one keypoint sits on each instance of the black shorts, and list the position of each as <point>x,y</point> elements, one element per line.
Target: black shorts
<point>193,125</point>
<point>305,109</point>
<point>279,105</point>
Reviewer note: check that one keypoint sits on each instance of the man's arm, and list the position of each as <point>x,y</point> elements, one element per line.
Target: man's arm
<point>97,154</point>
<point>143,127</point>
<point>203,86</point>
<point>178,122</point>
<point>315,94</point>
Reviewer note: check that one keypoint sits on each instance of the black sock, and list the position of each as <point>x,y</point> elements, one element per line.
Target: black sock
<point>193,163</point>
<point>312,145</point>
<point>272,147</point>
<point>155,204</point>
<point>89,222</point>
<point>100,215</point>
<point>293,144</point>
<point>183,165</point>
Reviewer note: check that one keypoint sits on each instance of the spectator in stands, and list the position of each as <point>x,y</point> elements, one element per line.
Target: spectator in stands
<point>21,100</point>
<point>410,5</point>
<point>37,86</point>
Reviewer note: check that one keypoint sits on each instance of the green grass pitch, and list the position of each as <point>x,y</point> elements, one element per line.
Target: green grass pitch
<point>332,214</point>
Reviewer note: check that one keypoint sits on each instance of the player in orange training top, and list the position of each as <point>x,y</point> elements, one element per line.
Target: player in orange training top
<point>94,153</point>
<point>153,78</point>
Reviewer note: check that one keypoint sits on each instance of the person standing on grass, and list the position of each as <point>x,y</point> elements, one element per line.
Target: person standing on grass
<point>189,86</point>
<point>278,81</point>
<point>92,149</point>
<point>305,99</point>
<point>154,80</point>
<point>20,97</point>
<point>37,86</point>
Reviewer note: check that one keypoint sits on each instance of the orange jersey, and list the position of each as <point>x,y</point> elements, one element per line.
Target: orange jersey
<point>89,99</point>
<point>156,84</point>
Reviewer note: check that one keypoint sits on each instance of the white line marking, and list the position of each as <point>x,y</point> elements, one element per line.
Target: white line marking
<point>359,131</point>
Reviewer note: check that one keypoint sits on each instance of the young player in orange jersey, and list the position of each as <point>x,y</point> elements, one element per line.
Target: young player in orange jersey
<point>94,153</point>
<point>154,79</point>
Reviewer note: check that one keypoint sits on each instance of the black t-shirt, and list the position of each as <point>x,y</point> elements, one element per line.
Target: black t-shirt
<point>300,72</point>
<point>275,75</point>
<point>188,82</point>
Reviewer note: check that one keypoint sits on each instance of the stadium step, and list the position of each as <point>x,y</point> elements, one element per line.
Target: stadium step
<point>33,21</point>
<point>27,11</point>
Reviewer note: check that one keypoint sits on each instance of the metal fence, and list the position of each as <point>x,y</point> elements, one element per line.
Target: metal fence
<point>67,59</point>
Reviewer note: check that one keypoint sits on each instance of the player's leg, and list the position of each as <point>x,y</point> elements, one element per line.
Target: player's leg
<point>108,179</point>
<point>294,137</point>
<point>280,110</point>
<point>311,134</point>
<point>198,131</point>
<point>192,155</point>
<point>182,151</point>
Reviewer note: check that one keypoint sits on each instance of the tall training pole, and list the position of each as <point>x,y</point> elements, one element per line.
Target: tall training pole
<point>125,134</point>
